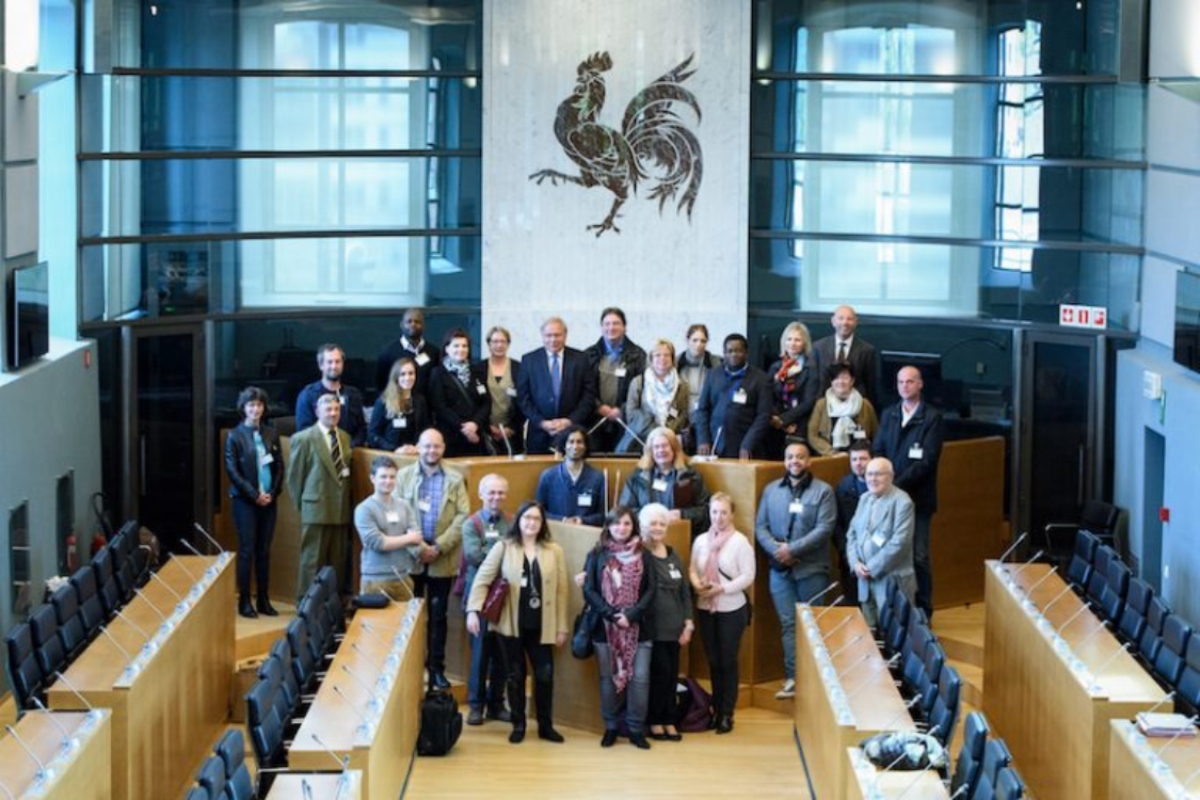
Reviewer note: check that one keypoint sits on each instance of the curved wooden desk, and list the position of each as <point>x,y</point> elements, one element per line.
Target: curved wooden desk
<point>324,786</point>
<point>84,773</point>
<point>865,776</point>
<point>1151,769</point>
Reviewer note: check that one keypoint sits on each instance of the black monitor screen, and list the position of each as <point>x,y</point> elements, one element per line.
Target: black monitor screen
<point>1187,320</point>
<point>29,314</point>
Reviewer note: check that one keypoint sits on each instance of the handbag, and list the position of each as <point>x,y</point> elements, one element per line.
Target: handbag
<point>581,639</point>
<point>497,594</point>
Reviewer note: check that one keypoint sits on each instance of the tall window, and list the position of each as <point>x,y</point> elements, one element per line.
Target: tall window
<point>1019,124</point>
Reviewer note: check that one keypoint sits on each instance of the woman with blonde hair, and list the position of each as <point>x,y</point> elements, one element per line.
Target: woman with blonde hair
<point>658,398</point>
<point>499,373</point>
<point>665,475</point>
<point>795,386</point>
<point>400,412</point>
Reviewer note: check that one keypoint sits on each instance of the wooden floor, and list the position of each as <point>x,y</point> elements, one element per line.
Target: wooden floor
<point>761,746</point>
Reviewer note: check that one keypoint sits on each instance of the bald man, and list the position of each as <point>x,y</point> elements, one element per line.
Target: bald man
<point>879,542</point>
<point>845,346</point>
<point>910,436</point>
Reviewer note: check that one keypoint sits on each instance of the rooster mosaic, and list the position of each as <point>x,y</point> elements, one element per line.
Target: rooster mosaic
<point>653,147</point>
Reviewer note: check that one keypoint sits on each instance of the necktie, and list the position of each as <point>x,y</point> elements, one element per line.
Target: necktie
<point>335,450</point>
<point>842,353</point>
<point>555,378</point>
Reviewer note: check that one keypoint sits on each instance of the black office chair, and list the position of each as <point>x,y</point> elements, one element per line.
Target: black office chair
<point>1097,517</point>
<point>927,683</point>
<point>1151,638</point>
<point>74,636</point>
<point>1080,567</point>
<point>1112,596</point>
<point>270,752</point>
<point>996,757</point>
<point>1187,698</point>
<point>304,663</point>
<point>944,716</point>
<point>912,664</point>
<point>25,676</point>
<point>91,609</point>
<point>47,644</point>
<point>232,751</point>
<point>1133,617</point>
<point>1168,664</point>
<point>888,611</point>
<point>1009,785</point>
<point>107,587</point>
<point>970,757</point>
<point>893,638</point>
<point>1105,555</point>
<point>212,776</point>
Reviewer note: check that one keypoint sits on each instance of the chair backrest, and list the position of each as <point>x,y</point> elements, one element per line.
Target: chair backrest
<point>1009,785</point>
<point>1133,617</point>
<point>893,638</point>
<point>281,654</point>
<point>24,674</point>
<point>106,580</point>
<point>212,776</point>
<point>1168,664</point>
<point>266,739</point>
<point>304,664</point>
<point>197,793</point>
<point>91,610</point>
<point>70,624</point>
<point>1189,679</point>
<point>970,756</point>
<point>1099,579</point>
<point>327,577</point>
<point>913,658</point>
<point>231,749</point>
<point>272,671</point>
<point>891,589</point>
<point>927,684</point>
<point>51,655</point>
<point>946,705</point>
<point>1099,518</point>
<point>260,700</point>
<point>996,756</point>
<point>1085,546</point>
<point>1112,598</point>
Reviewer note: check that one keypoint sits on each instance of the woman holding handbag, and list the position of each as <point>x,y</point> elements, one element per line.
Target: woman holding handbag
<point>619,588</point>
<point>533,618</point>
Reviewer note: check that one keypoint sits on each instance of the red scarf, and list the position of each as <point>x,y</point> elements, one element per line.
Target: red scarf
<point>787,381</point>
<point>620,585</point>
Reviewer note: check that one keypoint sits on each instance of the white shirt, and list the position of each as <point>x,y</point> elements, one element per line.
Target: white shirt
<point>736,561</point>
<point>906,415</point>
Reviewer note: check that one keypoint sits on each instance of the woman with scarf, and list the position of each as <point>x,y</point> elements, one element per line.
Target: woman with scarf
<point>658,398</point>
<point>664,475</point>
<point>722,571</point>
<point>795,387</point>
<point>400,413</point>
<point>670,620</point>
<point>461,404</point>
<point>619,588</point>
<point>842,416</point>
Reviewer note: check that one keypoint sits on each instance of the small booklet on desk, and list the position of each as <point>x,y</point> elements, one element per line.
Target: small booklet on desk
<point>1165,725</point>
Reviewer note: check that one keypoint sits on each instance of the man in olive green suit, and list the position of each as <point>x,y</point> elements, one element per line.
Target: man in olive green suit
<point>319,483</point>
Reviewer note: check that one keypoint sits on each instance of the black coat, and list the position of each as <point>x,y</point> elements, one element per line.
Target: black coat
<point>632,357</point>
<point>389,355</point>
<point>743,426</point>
<point>895,442</point>
<point>453,405</point>
<point>383,433</point>
<point>241,461</point>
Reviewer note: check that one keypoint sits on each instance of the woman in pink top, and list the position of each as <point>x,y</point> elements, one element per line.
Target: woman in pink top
<point>722,571</point>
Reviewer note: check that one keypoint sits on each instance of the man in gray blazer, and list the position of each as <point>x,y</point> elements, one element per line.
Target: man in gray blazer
<point>879,542</point>
<point>796,516</point>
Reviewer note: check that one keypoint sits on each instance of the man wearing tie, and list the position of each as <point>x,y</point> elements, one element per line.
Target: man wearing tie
<point>555,388</point>
<point>844,347</point>
<point>880,540</point>
<point>318,478</point>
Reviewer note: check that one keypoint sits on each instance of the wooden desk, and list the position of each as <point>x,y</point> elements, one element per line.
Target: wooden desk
<point>865,777</point>
<point>873,701</point>
<point>1054,722</point>
<point>324,786</point>
<point>167,715</point>
<point>386,757</point>
<point>1137,771</point>
<point>83,773</point>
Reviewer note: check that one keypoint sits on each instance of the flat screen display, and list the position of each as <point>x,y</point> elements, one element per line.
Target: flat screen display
<point>28,314</point>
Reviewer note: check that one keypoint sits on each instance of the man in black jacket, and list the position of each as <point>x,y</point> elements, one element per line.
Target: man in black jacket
<point>735,406</point>
<point>910,436</point>
<point>412,344</point>
<point>848,491</point>
<point>555,388</point>
<point>614,361</point>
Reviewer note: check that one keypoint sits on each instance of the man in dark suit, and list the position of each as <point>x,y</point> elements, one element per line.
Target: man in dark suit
<point>555,388</point>
<point>412,344</point>
<point>847,492</point>
<point>910,436</point>
<point>614,361</point>
<point>844,346</point>
<point>318,480</point>
<point>734,413</point>
<point>331,359</point>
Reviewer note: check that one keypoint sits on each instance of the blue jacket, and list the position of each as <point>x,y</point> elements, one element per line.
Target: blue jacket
<point>576,402</point>
<point>806,533</point>
<point>743,426</point>
<point>560,497</point>
<point>353,420</point>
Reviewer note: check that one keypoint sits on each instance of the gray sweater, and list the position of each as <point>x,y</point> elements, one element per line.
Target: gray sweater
<point>371,521</point>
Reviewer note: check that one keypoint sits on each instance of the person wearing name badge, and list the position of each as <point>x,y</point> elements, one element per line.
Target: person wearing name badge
<point>619,588</point>
<point>795,386</point>
<point>439,496</point>
<point>733,417</point>
<point>796,517</point>
<point>842,416</point>
<point>670,620</point>
<point>658,398</point>
<point>254,464</point>
<point>910,436</point>
<point>411,344</point>
<point>390,535</point>
<point>318,480</point>
<point>721,573</point>
<point>845,346</point>
<point>665,475</point>
<point>879,542</point>
<point>695,363</point>
<point>481,532</point>
<point>400,412</point>
<point>533,620</point>
<point>555,388</point>
<point>849,489</point>
<point>331,360</point>
<point>459,400</point>
<point>499,373</point>
<point>614,361</point>
<point>572,490</point>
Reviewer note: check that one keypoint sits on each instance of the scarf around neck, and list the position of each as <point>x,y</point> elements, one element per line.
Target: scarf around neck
<point>461,371</point>
<point>844,412</point>
<point>620,585</point>
<point>712,570</point>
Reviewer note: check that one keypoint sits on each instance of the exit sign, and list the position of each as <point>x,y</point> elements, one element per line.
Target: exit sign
<point>1083,316</point>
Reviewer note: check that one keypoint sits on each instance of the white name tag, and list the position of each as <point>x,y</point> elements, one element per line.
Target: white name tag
<point>859,434</point>
<point>480,389</point>
<point>584,500</point>
<point>511,391</point>
<point>878,539</point>
<point>266,459</point>
<point>672,412</point>
<point>915,452</point>
<point>345,472</point>
<point>659,485</point>
<point>795,507</point>
<point>620,372</point>
<point>423,506</point>
<point>399,422</point>
<point>739,397</point>
<point>392,517</point>
<point>794,369</point>
<point>674,573</point>
<point>491,533</point>
<point>422,359</point>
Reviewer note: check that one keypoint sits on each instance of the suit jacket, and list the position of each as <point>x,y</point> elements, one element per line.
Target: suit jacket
<point>451,515</point>
<point>807,533</point>
<point>320,494</point>
<point>454,404</point>
<point>535,392</point>
<point>353,420</point>
<point>241,462</point>
<point>743,426</point>
<point>508,559</point>
<point>895,442</point>
<point>881,536</point>
<point>388,356</point>
<point>863,358</point>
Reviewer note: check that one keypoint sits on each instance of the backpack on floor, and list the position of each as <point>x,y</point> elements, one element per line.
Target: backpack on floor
<point>693,706</point>
<point>441,724</point>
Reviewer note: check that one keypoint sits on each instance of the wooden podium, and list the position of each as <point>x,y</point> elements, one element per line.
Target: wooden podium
<point>83,772</point>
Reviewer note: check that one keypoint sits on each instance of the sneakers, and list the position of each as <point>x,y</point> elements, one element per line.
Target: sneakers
<point>788,691</point>
<point>475,716</point>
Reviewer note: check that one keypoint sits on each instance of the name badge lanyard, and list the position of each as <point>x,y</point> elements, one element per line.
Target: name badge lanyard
<point>535,598</point>
<point>735,384</point>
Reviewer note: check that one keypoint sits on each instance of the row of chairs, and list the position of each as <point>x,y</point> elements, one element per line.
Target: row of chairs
<point>1161,639</point>
<point>984,768</point>
<point>224,775</point>
<point>289,677</point>
<point>922,672</point>
<point>59,630</point>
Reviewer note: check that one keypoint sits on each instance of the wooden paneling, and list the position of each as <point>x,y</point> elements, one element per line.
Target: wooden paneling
<point>84,774</point>
<point>1130,774</point>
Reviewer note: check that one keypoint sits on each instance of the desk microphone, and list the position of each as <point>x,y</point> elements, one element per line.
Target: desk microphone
<point>1086,605</point>
<point>109,636</point>
<point>343,762</point>
<point>8,792</point>
<point>177,560</point>
<point>507,446</point>
<point>50,716</point>
<point>204,533</point>
<point>903,713</point>
<point>132,624</point>
<point>865,658</point>
<point>1157,753</point>
<point>604,502</point>
<point>377,636</point>
<point>42,772</point>
<point>836,601</point>
<point>360,682</point>
<point>812,601</point>
<point>596,427</point>
<point>1066,590</point>
<point>1039,581</point>
<point>960,791</point>
<point>1158,705</point>
<point>1013,573</point>
<point>354,646</point>
<point>304,787</point>
<point>864,683</point>
<point>629,430</point>
<point>835,628</point>
<point>1013,546</point>
<point>846,646</point>
<point>1096,672</point>
<point>1189,780</point>
<point>716,448</point>
<point>362,717</point>
<point>155,576</point>
<point>74,691</point>
<point>1102,626</point>
<point>400,577</point>
<point>153,607</point>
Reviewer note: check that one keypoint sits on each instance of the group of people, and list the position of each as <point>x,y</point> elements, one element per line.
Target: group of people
<point>419,537</point>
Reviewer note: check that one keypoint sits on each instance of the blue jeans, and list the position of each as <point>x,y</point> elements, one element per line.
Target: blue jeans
<point>485,684</point>
<point>636,697</point>
<point>786,591</point>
